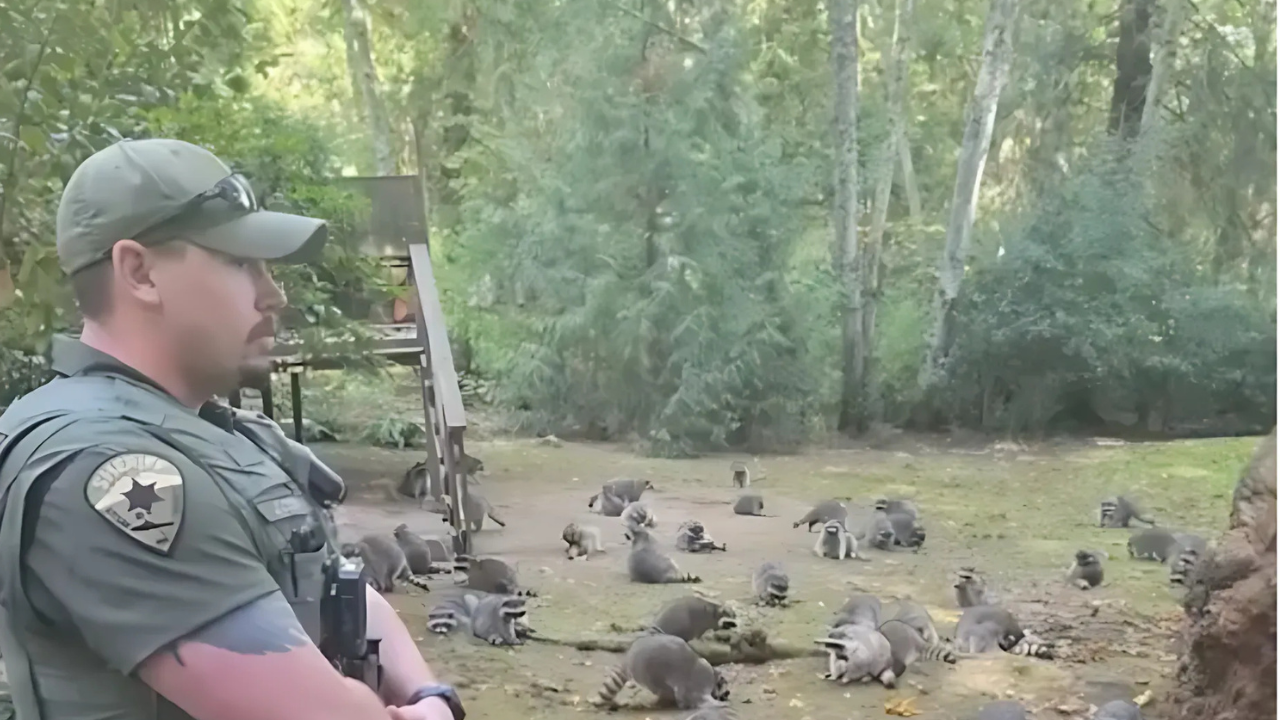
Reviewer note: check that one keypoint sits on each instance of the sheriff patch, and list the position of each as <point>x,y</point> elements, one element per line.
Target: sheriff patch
<point>141,495</point>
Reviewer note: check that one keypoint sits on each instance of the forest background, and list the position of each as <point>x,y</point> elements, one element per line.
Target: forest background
<point>693,224</point>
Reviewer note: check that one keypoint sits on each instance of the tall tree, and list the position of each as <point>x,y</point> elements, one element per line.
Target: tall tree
<point>364,84</point>
<point>895,147</point>
<point>843,19</point>
<point>1167,25</point>
<point>1133,68</point>
<point>980,117</point>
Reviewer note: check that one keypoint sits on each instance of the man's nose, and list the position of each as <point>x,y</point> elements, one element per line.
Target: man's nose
<point>271,296</point>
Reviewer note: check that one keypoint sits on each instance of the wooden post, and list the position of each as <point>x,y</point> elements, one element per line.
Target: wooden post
<point>295,394</point>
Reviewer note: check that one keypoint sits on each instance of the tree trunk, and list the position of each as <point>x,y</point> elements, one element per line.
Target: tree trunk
<point>1228,667</point>
<point>914,205</point>
<point>896,91</point>
<point>843,15</point>
<point>1166,27</point>
<point>364,84</point>
<point>980,117</point>
<point>1133,68</point>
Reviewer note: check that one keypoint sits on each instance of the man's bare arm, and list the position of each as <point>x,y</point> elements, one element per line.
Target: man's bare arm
<point>403,669</point>
<point>255,663</point>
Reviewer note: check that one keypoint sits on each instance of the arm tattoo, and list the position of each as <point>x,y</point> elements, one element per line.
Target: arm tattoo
<point>266,625</point>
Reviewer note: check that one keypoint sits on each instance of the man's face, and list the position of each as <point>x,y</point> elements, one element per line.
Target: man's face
<point>221,313</point>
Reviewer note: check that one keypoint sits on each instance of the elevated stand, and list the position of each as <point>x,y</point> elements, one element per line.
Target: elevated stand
<point>397,234</point>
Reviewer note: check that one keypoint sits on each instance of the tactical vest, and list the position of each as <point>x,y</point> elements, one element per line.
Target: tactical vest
<point>261,475</point>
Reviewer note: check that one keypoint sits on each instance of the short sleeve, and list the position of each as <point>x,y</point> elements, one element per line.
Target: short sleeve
<point>128,599</point>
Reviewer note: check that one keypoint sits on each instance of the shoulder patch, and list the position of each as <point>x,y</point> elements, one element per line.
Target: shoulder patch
<point>141,495</point>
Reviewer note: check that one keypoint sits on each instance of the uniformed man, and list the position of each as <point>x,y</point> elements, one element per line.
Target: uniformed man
<point>149,557</point>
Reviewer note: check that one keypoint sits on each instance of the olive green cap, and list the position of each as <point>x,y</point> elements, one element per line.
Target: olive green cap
<point>136,185</point>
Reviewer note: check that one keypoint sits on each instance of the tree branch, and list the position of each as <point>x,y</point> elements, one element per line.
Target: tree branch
<point>7,185</point>
<point>659,27</point>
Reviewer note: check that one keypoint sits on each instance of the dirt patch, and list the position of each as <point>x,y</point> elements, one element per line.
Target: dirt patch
<point>1017,514</point>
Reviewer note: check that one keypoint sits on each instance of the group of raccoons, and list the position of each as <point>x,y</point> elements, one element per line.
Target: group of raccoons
<point>863,643</point>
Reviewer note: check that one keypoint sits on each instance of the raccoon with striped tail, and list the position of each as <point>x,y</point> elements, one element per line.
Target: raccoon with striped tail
<point>971,589</point>
<point>986,628</point>
<point>384,563</point>
<point>909,647</point>
<point>646,564</point>
<point>667,667</point>
<point>855,652</point>
<point>1086,571</point>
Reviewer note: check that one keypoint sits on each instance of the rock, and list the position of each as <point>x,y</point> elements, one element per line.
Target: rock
<point>550,441</point>
<point>1228,666</point>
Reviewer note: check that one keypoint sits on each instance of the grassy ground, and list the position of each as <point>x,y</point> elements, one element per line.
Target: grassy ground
<point>1019,514</point>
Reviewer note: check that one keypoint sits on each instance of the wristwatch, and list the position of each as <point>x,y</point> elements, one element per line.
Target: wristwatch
<point>444,692</point>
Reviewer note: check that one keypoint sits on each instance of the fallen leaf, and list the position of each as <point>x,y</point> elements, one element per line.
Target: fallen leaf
<point>901,708</point>
<point>795,703</point>
<point>1143,699</point>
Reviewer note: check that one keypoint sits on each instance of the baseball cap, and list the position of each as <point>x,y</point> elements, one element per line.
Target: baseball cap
<point>162,189</point>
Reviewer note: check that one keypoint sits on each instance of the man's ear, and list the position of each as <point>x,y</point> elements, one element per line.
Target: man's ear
<point>132,266</point>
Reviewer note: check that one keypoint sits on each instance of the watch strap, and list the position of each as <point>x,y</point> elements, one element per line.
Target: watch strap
<point>444,692</point>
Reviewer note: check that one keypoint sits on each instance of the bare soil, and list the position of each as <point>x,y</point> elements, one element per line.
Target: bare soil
<point>1016,513</point>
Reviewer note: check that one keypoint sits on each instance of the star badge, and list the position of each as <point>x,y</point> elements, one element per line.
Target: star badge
<point>141,495</point>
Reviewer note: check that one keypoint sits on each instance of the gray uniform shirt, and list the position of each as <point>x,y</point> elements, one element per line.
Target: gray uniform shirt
<point>136,542</point>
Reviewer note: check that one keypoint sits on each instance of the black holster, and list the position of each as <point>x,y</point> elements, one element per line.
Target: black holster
<point>344,632</point>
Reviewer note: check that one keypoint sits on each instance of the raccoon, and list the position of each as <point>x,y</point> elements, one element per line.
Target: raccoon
<point>898,507</point>
<point>771,584</point>
<point>628,490</point>
<point>749,504</point>
<point>692,537</point>
<point>637,514</point>
<point>690,617</point>
<point>1152,544</point>
<point>909,647</point>
<point>384,563</point>
<point>971,588</point>
<point>667,667</point>
<point>1182,566</point>
<point>1118,511</point>
<point>741,475</point>
<point>860,609</point>
<point>918,618</point>
<point>427,555</point>
<point>1086,572</point>
<point>835,542</point>
<point>985,628</point>
<point>476,508</point>
<point>855,652</point>
<point>610,505</point>
<point>645,564</point>
<point>490,575</point>
<point>822,513</point>
<point>416,482</point>
<point>907,531</point>
<point>582,540</point>
<point>495,619</point>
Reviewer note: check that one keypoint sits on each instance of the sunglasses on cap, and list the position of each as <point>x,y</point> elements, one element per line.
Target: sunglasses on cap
<point>233,189</point>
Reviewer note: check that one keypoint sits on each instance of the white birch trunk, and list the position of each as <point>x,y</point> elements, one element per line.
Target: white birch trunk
<point>364,84</point>
<point>842,15</point>
<point>980,116</point>
<point>1166,27</point>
